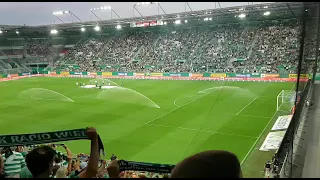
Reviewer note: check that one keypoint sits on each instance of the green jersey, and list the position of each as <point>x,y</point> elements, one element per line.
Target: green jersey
<point>63,164</point>
<point>13,164</point>
<point>24,154</point>
<point>25,173</point>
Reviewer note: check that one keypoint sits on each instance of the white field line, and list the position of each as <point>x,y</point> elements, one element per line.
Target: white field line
<point>293,86</point>
<point>174,102</point>
<point>190,129</point>
<point>255,143</point>
<point>19,102</point>
<point>253,116</point>
<point>176,108</point>
<point>247,105</point>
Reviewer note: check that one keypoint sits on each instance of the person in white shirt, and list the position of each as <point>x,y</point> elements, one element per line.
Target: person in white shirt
<point>13,162</point>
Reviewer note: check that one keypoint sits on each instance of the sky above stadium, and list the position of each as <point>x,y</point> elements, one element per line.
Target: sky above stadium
<point>40,13</point>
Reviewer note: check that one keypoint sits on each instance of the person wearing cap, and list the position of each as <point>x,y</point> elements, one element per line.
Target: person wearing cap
<point>13,162</point>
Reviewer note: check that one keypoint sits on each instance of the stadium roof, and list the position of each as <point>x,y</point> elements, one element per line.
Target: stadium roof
<point>253,12</point>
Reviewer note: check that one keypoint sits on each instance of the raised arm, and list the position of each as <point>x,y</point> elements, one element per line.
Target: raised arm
<point>92,168</point>
<point>1,164</point>
<point>69,159</point>
<point>102,167</point>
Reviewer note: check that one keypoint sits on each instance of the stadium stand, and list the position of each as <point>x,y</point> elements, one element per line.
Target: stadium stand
<point>232,48</point>
<point>224,48</point>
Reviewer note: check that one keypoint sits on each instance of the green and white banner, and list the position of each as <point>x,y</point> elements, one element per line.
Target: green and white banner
<point>282,123</point>
<point>272,141</point>
<point>46,137</point>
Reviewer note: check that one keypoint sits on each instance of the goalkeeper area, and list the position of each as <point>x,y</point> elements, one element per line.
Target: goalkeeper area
<point>159,121</point>
<point>286,100</point>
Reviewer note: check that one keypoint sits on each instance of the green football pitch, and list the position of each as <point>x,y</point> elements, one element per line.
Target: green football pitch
<point>159,121</point>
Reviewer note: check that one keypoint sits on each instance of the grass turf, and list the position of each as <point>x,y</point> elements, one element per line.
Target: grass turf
<point>193,116</point>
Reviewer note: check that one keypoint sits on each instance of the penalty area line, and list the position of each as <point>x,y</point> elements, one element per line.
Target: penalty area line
<point>253,116</point>
<point>175,101</point>
<point>247,105</point>
<point>213,132</point>
<point>259,137</point>
<point>177,108</point>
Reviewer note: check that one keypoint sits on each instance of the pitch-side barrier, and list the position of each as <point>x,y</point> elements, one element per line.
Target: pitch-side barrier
<point>181,78</point>
<point>269,79</point>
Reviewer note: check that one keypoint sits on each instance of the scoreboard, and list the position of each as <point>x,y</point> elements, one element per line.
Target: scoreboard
<point>146,23</point>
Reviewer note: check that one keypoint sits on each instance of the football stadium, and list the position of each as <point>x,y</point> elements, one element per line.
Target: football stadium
<point>160,89</point>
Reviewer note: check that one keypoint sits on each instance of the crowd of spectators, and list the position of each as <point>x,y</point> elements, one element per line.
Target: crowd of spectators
<point>276,49</point>
<point>45,161</point>
<point>233,48</point>
<point>271,48</point>
<point>38,47</point>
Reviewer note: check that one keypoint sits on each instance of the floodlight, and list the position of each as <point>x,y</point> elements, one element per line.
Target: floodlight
<point>165,23</point>
<point>265,7</point>
<point>83,29</point>
<point>210,19</point>
<point>54,31</point>
<point>17,32</point>
<point>206,19</point>
<point>177,21</point>
<point>54,13</point>
<point>185,21</point>
<point>147,2</point>
<point>118,26</point>
<point>109,7</point>
<point>97,28</point>
<point>66,12</point>
<point>266,13</point>
<point>1,32</point>
<point>91,9</point>
<point>242,16</point>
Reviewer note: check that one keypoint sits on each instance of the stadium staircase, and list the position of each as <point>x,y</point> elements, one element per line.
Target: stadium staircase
<point>62,60</point>
<point>253,43</point>
<point>20,64</point>
<point>8,67</point>
<point>137,53</point>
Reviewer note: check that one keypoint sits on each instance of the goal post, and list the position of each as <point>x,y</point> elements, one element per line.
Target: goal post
<point>286,100</point>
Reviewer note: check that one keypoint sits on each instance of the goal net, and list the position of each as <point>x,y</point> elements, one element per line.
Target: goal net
<point>286,100</point>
